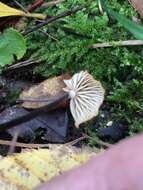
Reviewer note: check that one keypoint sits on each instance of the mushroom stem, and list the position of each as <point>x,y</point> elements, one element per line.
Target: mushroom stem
<point>40,111</point>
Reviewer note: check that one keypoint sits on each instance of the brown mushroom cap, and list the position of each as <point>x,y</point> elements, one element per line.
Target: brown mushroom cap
<point>87,95</point>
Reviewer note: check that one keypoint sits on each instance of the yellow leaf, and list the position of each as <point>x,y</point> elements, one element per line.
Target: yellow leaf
<point>9,11</point>
<point>26,170</point>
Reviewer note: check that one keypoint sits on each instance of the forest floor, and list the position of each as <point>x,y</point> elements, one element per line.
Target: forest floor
<point>67,45</point>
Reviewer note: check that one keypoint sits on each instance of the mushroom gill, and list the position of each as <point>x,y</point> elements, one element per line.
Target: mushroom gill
<point>86,96</point>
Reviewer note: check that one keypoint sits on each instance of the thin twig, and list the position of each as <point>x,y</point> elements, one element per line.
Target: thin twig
<point>29,99</point>
<point>13,142</point>
<point>21,6</point>
<point>76,140</point>
<point>100,7</point>
<point>52,19</point>
<point>118,43</point>
<point>51,3</point>
<point>24,145</point>
<point>48,35</point>
<point>31,145</point>
<point>22,64</point>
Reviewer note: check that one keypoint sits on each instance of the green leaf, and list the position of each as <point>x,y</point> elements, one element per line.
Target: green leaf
<point>134,28</point>
<point>12,43</point>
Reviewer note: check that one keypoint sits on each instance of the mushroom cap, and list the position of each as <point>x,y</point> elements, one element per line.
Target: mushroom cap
<point>86,96</point>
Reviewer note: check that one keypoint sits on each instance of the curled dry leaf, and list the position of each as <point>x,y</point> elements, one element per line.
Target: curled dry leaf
<point>87,95</point>
<point>47,89</point>
<point>32,167</point>
<point>138,5</point>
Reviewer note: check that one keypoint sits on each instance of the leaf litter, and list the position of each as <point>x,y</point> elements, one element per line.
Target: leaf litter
<point>55,125</point>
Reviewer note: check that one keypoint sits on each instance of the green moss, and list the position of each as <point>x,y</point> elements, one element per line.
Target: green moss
<point>136,127</point>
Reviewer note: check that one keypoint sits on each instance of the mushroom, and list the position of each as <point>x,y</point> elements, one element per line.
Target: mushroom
<point>86,96</point>
<point>84,93</point>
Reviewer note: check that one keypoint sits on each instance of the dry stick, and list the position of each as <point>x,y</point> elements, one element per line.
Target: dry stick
<point>52,19</point>
<point>48,35</point>
<point>22,100</point>
<point>21,6</point>
<point>22,64</point>
<point>100,7</point>
<point>51,3</point>
<point>118,43</point>
<point>13,142</point>
<point>26,145</point>
<point>40,111</point>
<point>76,141</point>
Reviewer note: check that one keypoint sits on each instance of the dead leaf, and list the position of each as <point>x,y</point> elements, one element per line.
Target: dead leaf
<point>5,11</point>
<point>47,89</point>
<point>32,167</point>
<point>55,125</point>
<point>138,5</point>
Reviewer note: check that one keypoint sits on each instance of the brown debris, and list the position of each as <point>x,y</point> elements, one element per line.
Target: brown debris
<point>49,88</point>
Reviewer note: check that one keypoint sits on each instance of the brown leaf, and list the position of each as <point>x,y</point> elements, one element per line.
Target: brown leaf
<point>49,88</point>
<point>138,5</point>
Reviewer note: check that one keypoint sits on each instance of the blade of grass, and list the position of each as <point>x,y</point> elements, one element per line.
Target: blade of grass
<point>134,28</point>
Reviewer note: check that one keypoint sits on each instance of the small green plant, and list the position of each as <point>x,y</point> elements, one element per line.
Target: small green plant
<point>136,127</point>
<point>12,44</point>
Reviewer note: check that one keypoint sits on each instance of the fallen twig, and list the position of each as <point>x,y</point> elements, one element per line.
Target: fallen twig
<point>31,145</point>
<point>52,19</point>
<point>49,35</point>
<point>13,142</point>
<point>51,3</point>
<point>22,64</point>
<point>24,145</point>
<point>76,140</point>
<point>21,6</point>
<point>118,43</point>
<point>100,7</point>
